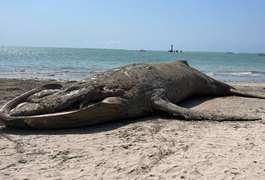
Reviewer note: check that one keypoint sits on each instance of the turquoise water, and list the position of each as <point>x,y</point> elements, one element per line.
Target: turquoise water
<point>75,64</point>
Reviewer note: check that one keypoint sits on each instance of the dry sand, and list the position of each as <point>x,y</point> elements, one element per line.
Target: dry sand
<point>157,147</point>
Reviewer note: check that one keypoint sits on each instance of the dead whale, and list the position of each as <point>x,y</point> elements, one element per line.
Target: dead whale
<point>126,92</point>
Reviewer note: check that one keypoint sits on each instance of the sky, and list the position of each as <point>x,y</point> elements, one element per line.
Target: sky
<point>190,25</point>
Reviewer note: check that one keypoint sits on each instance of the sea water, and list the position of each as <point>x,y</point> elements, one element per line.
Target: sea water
<point>77,63</point>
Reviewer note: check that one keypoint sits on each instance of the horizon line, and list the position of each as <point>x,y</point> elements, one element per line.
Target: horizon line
<point>98,48</point>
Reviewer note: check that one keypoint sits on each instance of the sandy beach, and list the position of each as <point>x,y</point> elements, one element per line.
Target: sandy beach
<point>157,147</point>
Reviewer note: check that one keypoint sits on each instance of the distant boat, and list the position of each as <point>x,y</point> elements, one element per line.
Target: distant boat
<point>142,50</point>
<point>230,53</point>
<point>261,54</point>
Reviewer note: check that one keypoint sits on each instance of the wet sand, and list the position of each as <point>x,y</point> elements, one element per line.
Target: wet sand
<point>157,147</point>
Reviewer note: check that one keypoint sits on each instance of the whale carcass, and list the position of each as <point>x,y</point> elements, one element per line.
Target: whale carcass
<point>126,92</point>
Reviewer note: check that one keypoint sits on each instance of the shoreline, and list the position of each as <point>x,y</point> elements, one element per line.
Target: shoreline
<point>155,147</point>
<point>78,75</point>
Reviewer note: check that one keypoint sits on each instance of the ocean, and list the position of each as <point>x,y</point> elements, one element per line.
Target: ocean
<point>77,63</point>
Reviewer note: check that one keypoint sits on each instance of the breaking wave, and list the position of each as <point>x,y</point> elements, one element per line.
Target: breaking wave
<point>237,74</point>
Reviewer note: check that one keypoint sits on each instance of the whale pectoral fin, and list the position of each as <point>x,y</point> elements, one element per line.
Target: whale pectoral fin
<point>161,103</point>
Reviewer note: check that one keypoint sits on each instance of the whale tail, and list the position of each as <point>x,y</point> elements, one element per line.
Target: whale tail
<point>190,114</point>
<point>247,93</point>
<point>161,103</point>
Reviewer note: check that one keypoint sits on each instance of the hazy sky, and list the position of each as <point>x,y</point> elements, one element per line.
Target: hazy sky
<point>193,25</point>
